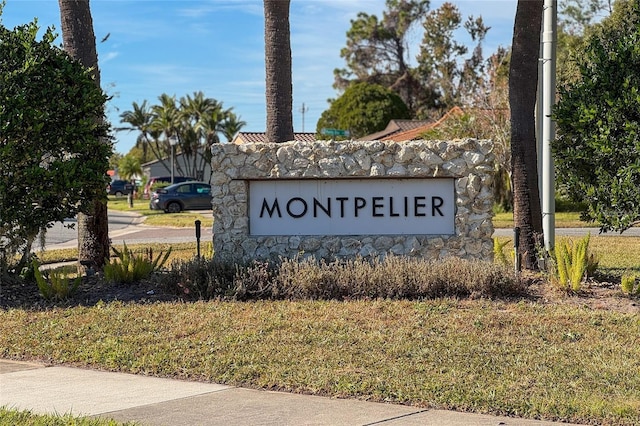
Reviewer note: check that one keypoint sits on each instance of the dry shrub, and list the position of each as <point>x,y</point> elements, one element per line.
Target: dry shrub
<point>200,279</point>
<point>394,278</point>
<point>389,278</point>
<point>205,279</point>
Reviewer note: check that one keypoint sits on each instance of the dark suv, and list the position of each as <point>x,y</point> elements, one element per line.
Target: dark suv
<point>163,179</point>
<point>119,187</point>
<point>182,196</point>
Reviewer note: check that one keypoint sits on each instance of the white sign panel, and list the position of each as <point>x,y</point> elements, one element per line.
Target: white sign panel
<point>352,207</point>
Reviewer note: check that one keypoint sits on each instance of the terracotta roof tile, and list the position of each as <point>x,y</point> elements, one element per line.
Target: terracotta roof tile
<point>395,126</point>
<point>261,137</point>
<point>414,133</point>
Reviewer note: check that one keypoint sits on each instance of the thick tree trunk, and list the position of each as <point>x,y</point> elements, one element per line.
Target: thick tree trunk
<point>279,88</point>
<point>79,42</point>
<point>523,78</point>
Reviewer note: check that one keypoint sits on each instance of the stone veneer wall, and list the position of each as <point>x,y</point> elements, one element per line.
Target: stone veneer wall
<point>469,161</point>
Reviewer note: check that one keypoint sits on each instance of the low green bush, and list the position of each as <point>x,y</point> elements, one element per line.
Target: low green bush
<point>158,185</point>
<point>294,279</point>
<point>564,204</point>
<point>628,285</point>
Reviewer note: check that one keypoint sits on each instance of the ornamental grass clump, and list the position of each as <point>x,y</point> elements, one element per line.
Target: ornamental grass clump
<point>130,267</point>
<point>572,263</point>
<point>54,284</point>
<point>498,251</point>
<point>628,285</point>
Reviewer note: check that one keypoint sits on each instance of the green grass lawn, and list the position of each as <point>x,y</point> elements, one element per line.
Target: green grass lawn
<point>9,417</point>
<point>160,218</point>
<point>510,358</point>
<point>519,358</point>
<point>563,220</point>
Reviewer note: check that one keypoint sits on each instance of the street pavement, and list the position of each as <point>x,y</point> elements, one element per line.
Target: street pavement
<point>130,228</point>
<point>126,227</point>
<point>158,402</point>
<point>576,232</point>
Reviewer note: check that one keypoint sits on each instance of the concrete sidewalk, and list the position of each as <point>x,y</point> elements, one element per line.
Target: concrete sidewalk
<point>156,401</point>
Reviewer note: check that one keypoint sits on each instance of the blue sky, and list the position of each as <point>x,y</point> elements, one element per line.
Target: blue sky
<point>217,47</point>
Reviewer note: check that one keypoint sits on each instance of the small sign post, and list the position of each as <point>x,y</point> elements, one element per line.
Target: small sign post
<point>335,132</point>
<point>198,223</point>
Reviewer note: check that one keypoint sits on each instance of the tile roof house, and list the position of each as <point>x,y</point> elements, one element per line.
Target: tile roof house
<point>394,127</point>
<point>261,137</point>
<point>393,133</point>
<point>415,133</point>
<point>163,168</point>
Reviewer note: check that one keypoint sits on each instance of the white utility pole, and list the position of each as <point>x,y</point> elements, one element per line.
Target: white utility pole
<point>549,41</point>
<point>173,141</point>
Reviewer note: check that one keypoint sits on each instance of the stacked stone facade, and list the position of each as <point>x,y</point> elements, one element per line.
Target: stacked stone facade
<point>470,162</point>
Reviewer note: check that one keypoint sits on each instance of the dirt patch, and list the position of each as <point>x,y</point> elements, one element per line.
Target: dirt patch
<point>594,294</point>
<point>17,294</point>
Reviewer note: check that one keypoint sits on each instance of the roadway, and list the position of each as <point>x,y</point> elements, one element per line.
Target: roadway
<point>130,228</point>
<point>124,227</point>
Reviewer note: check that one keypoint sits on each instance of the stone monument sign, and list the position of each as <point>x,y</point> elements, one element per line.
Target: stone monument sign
<point>346,199</point>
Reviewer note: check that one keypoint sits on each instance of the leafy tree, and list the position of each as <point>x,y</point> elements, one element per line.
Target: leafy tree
<point>114,159</point>
<point>597,151</point>
<point>487,119</point>
<point>377,52</point>
<point>137,152</point>
<point>53,157</point>
<point>279,88</point>
<point>579,15</point>
<point>576,20</point>
<point>523,79</point>
<point>363,109</point>
<point>80,42</point>
<point>442,63</point>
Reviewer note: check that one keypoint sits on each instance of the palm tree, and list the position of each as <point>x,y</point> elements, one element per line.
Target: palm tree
<point>279,90</point>
<point>523,78</point>
<point>231,126</point>
<point>166,121</point>
<point>195,114</point>
<point>140,119</point>
<point>79,42</point>
<point>129,166</point>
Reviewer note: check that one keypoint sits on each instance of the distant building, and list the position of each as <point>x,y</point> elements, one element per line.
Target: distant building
<point>414,133</point>
<point>261,137</point>
<point>201,171</point>
<point>407,130</point>
<point>394,127</point>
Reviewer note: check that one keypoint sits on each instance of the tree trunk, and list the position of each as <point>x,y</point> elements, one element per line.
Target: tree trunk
<point>80,43</point>
<point>523,78</point>
<point>279,90</point>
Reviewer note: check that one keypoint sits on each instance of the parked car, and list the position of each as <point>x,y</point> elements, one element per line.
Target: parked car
<point>175,198</point>
<point>163,179</point>
<point>119,187</point>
